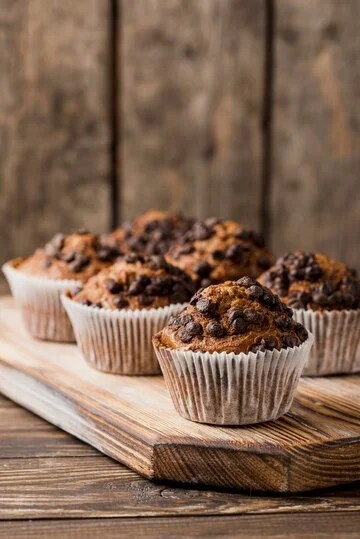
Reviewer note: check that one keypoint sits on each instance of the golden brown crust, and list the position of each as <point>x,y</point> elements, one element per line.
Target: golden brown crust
<point>77,256</point>
<point>135,282</point>
<point>240,316</point>
<point>214,251</point>
<point>152,233</point>
<point>313,281</point>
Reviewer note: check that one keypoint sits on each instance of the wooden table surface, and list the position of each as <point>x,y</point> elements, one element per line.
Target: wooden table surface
<point>52,485</point>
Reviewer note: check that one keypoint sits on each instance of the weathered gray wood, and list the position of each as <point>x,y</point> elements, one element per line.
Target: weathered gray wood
<point>191,97</point>
<point>316,203</point>
<point>315,445</point>
<point>54,128</point>
<point>303,526</point>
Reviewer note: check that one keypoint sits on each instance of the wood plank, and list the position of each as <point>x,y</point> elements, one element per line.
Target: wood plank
<point>54,131</point>
<point>90,487</point>
<point>303,526</point>
<point>315,444</point>
<point>23,435</point>
<point>191,99</point>
<point>316,128</point>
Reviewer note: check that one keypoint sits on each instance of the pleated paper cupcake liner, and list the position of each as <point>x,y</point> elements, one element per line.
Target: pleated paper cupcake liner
<point>40,301</point>
<point>119,342</point>
<point>232,389</point>
<point>336,347</point>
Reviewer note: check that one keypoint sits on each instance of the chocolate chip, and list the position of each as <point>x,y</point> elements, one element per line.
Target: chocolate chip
<point>157,262</point>
<point>138,285</point>
<point>283,322</point>
<point>86,302</point>
<point>252,316</point>
<point>133,257</point>
<point>215,329</point>
<point>235,313</point>
<point>69,256</point>
<point>234,253</point>
<point>146,300</point>
<point>113,286</point>
<point>320,299</point>
<point>290,341</point>
<point>313,273</point>
<point>239,325</point>
<point>203,269</point>
<point>269,300</point>
<point>120,303</point>
<point>205,306</point>
<point>201,231</point>
<point>196,296</point>
<point>265,343</point>
<point>179,321</point>
<point>80,262</point>
<point>192,329</point>
<point>300,331</point>
<point>294,303</point>
<point>246,282</point>
<point>255,291</point>
<point>107,254</point>
<point>218,254</point>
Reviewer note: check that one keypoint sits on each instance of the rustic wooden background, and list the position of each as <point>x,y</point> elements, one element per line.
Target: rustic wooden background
<point>239,108</point>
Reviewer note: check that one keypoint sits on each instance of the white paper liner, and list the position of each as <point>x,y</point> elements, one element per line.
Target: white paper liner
<point>232,389</point>
<point>119,342</point>
<point>40,302</point>
<point>336,347</point>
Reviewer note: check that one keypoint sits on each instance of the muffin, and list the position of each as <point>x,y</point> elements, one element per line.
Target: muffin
<point>325,297</point>
<point>234,355</point>
<point>38,280</point>
<point>117,312</point>
<point>152,233</point>
<point>214,251</point>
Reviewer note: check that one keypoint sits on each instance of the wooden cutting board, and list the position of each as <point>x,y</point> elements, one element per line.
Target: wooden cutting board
<point>316,444</point>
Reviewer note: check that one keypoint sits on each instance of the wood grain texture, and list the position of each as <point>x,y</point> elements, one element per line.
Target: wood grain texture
<point>54,132</point>
<point>51,471</point>
<point>315,203</point>
<point>316,444</point>
<point>96,487</point>
<point>191,96</point>
<point>304,526</point>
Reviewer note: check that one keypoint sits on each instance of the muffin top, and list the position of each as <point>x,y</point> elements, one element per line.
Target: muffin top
<point>214,251</point>
<point>77,256</point>
<point>313,281</point>
<point>151,233</point>
<point>241,316</point>
<point>136,282</point>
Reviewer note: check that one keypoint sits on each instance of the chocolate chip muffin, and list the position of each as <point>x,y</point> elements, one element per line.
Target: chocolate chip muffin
<point>241,316</point>
<point>38,281</point>
<point>151,233</point>
<point>76,256</point>
<point>136,282</point>
<point>117,312</point>
<point>214,251</point>
<point>314,281</point>
<point>234,355</point>
<point>325,296</point>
